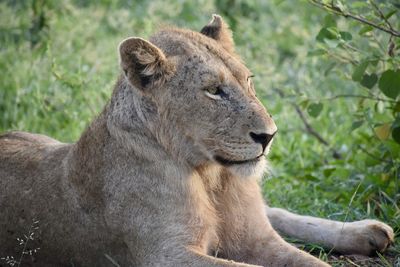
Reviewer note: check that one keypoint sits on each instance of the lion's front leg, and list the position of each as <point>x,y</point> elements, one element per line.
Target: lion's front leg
<point>360,237</point>
<point>246,235</point>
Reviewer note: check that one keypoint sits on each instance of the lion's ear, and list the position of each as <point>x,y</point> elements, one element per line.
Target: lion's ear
<point>219,30</point>
<point>143,63</point>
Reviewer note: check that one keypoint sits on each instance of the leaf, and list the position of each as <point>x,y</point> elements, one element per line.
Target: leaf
<point>316,52</point>
<point>390,13</point>
<point>332,43</point>
<point>385,176</point>
<point>383,131</point>
<point>373,61</point>
<point>356,124</point>
<point>330,33</point>
<point>328,171</point>
<point>309,177</point>
<point>365,29</point>
<point>368,115</point>
<point>396,107</point>
<point>389,83</point>
<point>346,36</point>
<point>340,5</point>
<point>329,68</point>
<point>396,130</point>
<point>396,134</point>
<point>304,103</point>
<point>369,80</point>
<point>359,4</point>
<point>315,109</point>
<point>334,32</point>
<point>359,71</point>
<point>329,21</point>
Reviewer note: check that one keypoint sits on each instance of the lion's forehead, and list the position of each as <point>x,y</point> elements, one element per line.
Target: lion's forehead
<point>197,49</point>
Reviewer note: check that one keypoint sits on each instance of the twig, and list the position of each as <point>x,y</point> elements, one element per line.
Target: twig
<point>309,128</point>
<point>314,133</point>
<point>373,156</point>
<point>359,96</point>
<point>25,245</point>
<point>338,11</point>
<point>28,237</point>
<point>355,49</point>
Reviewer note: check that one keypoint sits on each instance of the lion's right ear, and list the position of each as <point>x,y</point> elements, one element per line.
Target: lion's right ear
<point>144,64</point>
<point>218,30</point>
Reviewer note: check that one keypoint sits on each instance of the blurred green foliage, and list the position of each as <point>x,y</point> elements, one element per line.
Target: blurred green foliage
<point>332,84</point>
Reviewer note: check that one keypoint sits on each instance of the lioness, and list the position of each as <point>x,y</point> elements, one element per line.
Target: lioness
<point>168,173</point>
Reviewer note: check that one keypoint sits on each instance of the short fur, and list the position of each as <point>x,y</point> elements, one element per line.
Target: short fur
<point>166,175</point>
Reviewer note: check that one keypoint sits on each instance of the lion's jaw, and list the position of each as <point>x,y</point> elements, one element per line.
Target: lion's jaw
<point>252,169</point>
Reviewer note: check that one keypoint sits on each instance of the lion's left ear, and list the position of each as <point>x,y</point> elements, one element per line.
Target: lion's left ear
<point>219,31</point>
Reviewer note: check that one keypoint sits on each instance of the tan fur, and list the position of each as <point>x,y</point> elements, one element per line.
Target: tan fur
<point>167,175</point>
<point>360,237</point>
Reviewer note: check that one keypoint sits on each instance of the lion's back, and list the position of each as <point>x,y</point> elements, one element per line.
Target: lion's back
<point>30,171</point>
<point>30,164</point>
<point>24,154</point>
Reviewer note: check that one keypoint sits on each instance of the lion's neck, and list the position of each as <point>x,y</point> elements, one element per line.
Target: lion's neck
<point>86,162</point>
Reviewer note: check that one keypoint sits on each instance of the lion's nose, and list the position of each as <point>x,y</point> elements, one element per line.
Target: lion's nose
<point>262,138</point>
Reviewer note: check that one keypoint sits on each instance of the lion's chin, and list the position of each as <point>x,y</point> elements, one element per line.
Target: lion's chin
<point>252,169</point>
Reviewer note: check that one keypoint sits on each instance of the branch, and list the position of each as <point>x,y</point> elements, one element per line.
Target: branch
<point>340,12</point>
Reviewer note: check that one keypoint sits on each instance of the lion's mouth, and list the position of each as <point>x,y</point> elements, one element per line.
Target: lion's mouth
<point>228,162</point>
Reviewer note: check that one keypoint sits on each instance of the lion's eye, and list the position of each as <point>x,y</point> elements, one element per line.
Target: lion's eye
<point>214,92</point>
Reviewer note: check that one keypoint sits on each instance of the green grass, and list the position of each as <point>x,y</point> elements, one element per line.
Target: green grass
<point>58,72</point>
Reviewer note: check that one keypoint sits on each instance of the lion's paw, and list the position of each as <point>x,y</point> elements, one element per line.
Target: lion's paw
<point>365,237</point>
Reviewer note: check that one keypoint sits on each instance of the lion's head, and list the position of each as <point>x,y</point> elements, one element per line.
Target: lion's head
<point>197,98</point>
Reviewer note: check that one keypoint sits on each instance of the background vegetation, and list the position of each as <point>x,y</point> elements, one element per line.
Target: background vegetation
<point>332,83</point>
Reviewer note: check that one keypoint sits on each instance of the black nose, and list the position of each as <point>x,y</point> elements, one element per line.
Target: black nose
<point>262,138</point>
